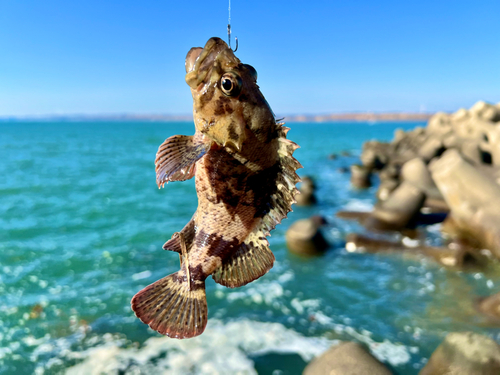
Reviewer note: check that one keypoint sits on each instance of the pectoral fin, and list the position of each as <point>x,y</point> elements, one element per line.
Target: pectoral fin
<point>251,260</point>
<point>176,158</point>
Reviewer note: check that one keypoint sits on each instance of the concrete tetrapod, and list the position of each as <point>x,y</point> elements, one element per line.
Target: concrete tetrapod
<point>348,358</point>
<point>464,353</point>
<point>473,198</point>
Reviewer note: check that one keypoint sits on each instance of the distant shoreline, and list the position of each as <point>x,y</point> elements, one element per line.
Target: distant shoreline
<point>336,117</point>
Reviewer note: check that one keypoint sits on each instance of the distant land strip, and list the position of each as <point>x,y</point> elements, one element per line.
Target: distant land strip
<point>334,117</point>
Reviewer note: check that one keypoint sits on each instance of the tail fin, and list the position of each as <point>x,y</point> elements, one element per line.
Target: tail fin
<point>172,308</point>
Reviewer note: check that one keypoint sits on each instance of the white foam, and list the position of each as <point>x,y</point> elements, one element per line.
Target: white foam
<point>362,205</point>
<point>221,349</point>
<point>393,353</point>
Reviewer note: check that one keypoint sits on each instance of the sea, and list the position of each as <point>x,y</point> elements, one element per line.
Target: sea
<point>82,224</point>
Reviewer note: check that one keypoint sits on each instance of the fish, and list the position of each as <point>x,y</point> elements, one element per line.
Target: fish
<point>245,177</point>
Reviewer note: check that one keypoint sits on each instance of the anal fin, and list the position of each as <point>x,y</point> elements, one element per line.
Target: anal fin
<point>172,307</point>
<point>176,158</point>
<point>188,232</point>
<point>251,260</point>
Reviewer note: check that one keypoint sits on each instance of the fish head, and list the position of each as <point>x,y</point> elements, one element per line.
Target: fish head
<point>227,102</point>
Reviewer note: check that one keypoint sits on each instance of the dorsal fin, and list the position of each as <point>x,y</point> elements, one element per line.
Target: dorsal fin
<point>176,158</point>
<point>253,258</point>
<point>281,201</point>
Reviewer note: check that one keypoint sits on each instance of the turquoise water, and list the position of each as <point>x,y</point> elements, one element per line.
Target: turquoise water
<point>81,228</point>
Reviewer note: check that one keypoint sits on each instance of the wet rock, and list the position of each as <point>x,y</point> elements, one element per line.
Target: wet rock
<point>360,216</point>
<point>332,156</point>
<point>397,211</point>
<point>343,170</point>
<point>304,237</point>
<point>360,177</point>
<point>306,189</point>
<point>357,243</point>
<point>473,198</point>
<point>348,358</point>
<point>345,153</point>
<point>490,307</point>
<point>455,255</point>
<point>465,353</point>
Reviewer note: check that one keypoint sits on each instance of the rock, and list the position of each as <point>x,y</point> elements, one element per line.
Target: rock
<point>390,171</point>
<point>375,155</point>
<point>360,176</point>
<point>386,187</point>
<point>416,173</point>
<point>306,189</point>
<point>473,198</point>
<point>440,123</point>
<point>464,353</point>
<point>431,148</point>
<point>490,307</point>
<point>305,238</point>
<point>343,170</point>
<point>455,255</point>
<point>345,153</point>
<point>357,243</point>
<point>435,205</point>
<point>486,111</point>
<point>360,216</point>
<point>332,156</point>
<point>399,210</point>
<point>348,358</point>
<point>471,151</point>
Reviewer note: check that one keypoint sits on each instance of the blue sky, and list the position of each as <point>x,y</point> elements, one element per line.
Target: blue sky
<point>92,57</point>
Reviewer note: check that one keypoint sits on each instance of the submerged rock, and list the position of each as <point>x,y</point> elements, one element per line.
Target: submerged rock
<point>360,176</point>
<point>306,189</point>
<point>348,358</point>
<point>464,353</point>
<point>304,237</point>
<point>490,307</point>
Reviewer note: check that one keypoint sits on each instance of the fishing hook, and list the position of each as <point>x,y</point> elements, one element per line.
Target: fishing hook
<point>229,38</point>
<point>229,30</point>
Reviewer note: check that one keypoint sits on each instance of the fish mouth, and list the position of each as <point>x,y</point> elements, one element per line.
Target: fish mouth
<point>200,61</point>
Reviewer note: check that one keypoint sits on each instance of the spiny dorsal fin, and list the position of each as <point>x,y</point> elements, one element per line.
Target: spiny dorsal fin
<point>172,308</point>
<point>188,233</point>
<point>281,201</point>
<point>251,260</point>
<point>176,158</point>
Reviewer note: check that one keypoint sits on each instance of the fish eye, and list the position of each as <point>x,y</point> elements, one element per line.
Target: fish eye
<point>230,84</point>
<point>252,71</point>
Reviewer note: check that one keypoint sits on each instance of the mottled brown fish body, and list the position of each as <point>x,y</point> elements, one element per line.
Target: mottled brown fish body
<point>245,183</point>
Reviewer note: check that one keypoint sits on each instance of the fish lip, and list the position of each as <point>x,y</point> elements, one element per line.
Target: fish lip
<point>199,62</point>
<point>191,58</point>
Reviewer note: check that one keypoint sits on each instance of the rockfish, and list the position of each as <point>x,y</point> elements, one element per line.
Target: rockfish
<point>245,183</point>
